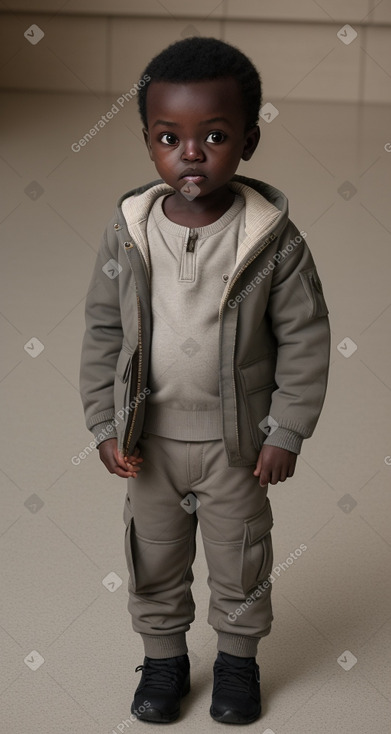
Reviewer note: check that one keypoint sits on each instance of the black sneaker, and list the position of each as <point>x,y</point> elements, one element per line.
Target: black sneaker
<point>236,697</point>
<point>162,685</point>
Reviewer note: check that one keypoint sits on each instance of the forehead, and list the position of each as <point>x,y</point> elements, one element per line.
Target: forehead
<point>195,100</point>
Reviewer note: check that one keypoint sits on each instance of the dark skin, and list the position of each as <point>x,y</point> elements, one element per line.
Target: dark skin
<point>181,136</point>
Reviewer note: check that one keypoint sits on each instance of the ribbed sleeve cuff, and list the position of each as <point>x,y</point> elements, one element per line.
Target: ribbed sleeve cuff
<point>103,431</point>
<point>285,439</point>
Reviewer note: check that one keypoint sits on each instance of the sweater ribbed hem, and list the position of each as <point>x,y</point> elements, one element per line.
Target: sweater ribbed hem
<point>165,646</point>
<point>183,425</point>
<point>239,645</point>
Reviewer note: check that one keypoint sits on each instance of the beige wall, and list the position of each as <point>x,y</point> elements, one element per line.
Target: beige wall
<point>101,46</point>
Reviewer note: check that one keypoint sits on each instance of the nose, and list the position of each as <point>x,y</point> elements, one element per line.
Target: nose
<point>192,151</point>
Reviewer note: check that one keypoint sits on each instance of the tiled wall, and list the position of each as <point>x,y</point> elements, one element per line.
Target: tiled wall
<point>101,46</point>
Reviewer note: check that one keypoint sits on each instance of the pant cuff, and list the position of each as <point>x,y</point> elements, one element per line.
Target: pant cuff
<point>240,645</point>
<point>165,646</point>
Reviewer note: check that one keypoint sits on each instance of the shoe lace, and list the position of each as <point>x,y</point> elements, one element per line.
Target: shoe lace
<point>160,676</point>
<point>234,679</point>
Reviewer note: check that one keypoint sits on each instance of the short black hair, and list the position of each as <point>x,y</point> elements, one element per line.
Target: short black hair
<point>200,58</point>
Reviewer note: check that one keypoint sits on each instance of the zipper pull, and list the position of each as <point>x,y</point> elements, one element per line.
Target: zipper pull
<point>191,241</point>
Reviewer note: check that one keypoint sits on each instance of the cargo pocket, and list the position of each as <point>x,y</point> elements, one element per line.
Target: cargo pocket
<point>257,550</point>
<point>313,288</point>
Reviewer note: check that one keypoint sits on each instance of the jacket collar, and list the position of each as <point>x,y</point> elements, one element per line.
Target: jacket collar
<point>266,212</point>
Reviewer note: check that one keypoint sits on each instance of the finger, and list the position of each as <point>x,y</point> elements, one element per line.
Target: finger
<point>133,466</point>
<point>264,478</point>
<point>129,471</point>
<point>133,463</point>
<point>120,467</point>
<point>120,459</point>
<point>134,459</point>
<point>133,472</point>
<point>284,471</point>
<point>292,467</point>
<point>121,473</point>
<point>258,468</point>
<point>275,476</point>
<point>134,469</point>
<point>281,474</point>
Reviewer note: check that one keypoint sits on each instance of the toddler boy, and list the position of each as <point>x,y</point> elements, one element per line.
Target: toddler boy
<point>204,366</point>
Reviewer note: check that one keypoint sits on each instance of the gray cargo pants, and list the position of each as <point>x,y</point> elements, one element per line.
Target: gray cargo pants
<point>180,484</point>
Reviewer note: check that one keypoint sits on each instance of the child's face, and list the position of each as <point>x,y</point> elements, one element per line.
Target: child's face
<point>200,126</point>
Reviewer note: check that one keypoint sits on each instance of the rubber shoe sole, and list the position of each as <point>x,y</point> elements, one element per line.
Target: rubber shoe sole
<point>233,717</point>
<point>155,716</point>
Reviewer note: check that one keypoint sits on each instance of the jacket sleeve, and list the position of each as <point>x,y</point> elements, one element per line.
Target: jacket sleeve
<point>299,318</point>
<point>101,344</point>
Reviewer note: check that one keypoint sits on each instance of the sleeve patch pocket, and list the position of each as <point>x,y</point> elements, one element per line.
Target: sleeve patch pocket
<point>257,552</point>
<point>313,289</point>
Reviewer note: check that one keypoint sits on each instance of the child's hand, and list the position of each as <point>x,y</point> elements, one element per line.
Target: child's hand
<point>116,463</point>
<point>274,465</point>
<point>133,462</point>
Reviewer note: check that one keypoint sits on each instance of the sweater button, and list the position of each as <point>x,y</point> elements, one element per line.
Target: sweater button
<point>225,277</point>
<point>117,226</point>
<point>128,244</point>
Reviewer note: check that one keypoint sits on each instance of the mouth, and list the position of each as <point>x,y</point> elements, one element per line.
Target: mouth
<point>194,179</point>
<point>194,176</point>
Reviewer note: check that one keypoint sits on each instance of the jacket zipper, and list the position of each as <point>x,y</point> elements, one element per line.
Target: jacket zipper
<point>138,387</point>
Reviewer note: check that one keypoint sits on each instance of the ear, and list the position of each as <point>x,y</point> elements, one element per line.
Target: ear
<point>147,142</point>
<point>252,139</point>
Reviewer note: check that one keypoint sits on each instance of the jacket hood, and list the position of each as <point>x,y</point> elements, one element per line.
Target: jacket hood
<point>156,188</point>
<point>266,213</point>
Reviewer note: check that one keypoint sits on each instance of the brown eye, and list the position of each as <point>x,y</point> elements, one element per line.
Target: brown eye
<point>171,138</point>
<point>217,136</point>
